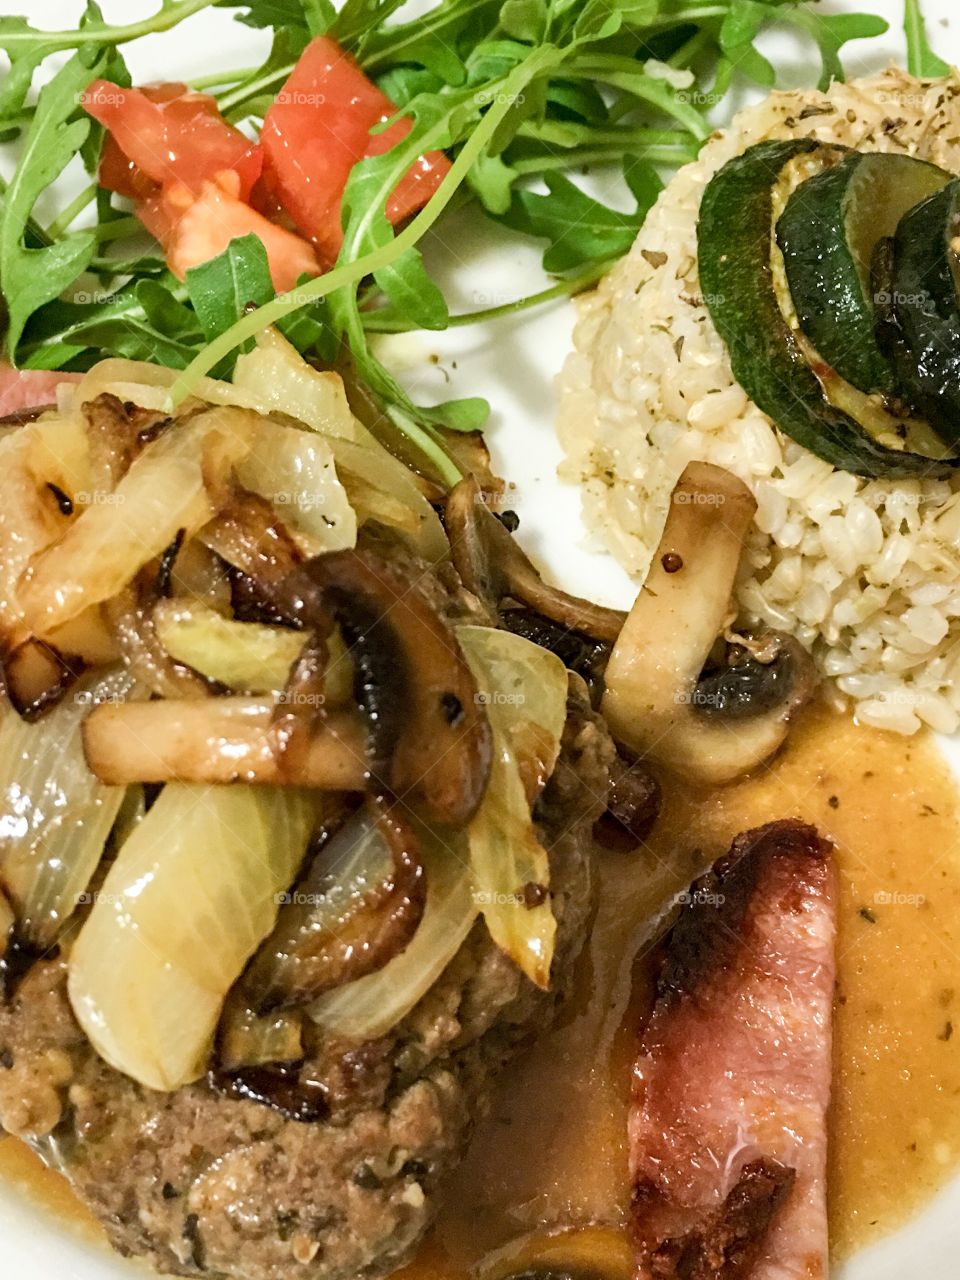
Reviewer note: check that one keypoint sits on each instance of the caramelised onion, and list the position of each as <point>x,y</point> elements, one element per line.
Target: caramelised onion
<point>130,614</point>
<point>246,656</point>
<point>372,1006</point>
<point>524,689</point>
<point>275,378</point>
<point>7,922</point>
<point>357,907</point>
<point>429,741</point>
<point>52,451</point>
<point>189,898</point>
<point>294,470</point>
<point>116,433</point>
<point>54,814</point>
<point>175,483</point>
<point>248,535</point>
<point>220,740</point>
<point>249,1039</point>
<point>199,576</point>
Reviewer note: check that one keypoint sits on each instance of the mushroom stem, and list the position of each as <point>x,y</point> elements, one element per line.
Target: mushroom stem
<point>219,740</point>
<point>492,566</point>
<point>651,702</point>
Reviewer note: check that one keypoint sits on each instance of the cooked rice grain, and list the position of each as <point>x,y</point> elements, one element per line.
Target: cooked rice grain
<point>866,573</point>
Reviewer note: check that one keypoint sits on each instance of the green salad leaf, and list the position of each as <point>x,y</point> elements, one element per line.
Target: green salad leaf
<point>224,288</point>
<point>524,96</point>
<point>921,59</point>
<point>580,229</point>
<point>31,275</point>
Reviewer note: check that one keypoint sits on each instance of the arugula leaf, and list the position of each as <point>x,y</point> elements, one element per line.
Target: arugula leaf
<point>921,59</point>
<point>361,18</point>
<point>314,16</point>
<point>31,276</point>
<point>431,41</point>
<point>832,31</point>
<point>23,64</point>
<point>524,20</point>
<point>288,44</point>
<point>739,29</point>
<point>493,180</point>
<point>145,320</point>
<point>581,230</point>
<point>222,289</point>
<point>17,37</point>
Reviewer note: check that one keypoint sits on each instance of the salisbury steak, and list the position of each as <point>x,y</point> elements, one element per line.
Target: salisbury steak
<point>198,1182</point>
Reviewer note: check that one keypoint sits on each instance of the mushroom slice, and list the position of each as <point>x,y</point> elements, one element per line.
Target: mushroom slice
<point>36,675</point>
<point>219,740</point>
<point>429,736</point>
<point>659,702</point>
<point>357,907</point>
<point>493,567</point>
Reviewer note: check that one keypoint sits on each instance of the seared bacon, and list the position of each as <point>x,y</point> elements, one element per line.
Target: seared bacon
<point>23,389</point>
<point>728,1138</point>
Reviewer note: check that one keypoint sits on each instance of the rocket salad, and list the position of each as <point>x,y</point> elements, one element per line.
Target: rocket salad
<point>276,203</point>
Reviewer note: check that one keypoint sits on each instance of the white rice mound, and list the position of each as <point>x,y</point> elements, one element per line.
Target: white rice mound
<point>866,573</point>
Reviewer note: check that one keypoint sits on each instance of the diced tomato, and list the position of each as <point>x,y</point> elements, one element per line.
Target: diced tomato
<point>164,134</point>
<point>195,228</point>
<point>316,131</point>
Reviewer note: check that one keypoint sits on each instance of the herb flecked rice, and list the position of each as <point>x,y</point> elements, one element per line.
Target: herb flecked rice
<point>866,573</point>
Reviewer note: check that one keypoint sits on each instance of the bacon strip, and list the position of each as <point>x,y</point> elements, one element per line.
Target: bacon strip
<point>22,389</point>
<point>728,1137</point>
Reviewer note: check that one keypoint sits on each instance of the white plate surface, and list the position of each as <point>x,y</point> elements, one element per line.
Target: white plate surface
<point>513,363</point>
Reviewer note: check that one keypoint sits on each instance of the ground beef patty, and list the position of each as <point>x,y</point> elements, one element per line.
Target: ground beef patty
<point>200,1183</point>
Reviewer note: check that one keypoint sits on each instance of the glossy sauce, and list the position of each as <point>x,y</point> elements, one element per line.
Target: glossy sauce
<point>553,1153</point>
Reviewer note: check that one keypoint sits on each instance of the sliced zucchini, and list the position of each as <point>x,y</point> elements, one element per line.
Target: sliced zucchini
<point>927,308</point>
<point>828,234</point>
<point>740,277</point>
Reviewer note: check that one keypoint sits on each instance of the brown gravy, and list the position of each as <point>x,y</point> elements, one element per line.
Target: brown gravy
<point>553,1151</point>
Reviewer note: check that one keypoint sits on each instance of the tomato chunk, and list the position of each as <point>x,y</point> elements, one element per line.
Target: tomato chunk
<point>193,228</point>
<point>164,134</point>
<point>316,131</point>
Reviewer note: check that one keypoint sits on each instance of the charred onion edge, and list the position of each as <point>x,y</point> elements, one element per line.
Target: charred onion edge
<point>683,607</point>
<point>492,566</point>
<point>429,739</point>
<point>280,1087</point>
<point>298,964</point>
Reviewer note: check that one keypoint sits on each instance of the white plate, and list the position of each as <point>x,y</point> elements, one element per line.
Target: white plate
<point>513,363</point>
